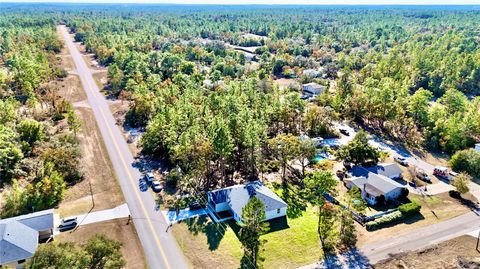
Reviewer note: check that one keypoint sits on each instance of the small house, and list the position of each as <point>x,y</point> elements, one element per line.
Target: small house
<point>231,201</point>
<point>19,236</point>
<point>374,187</point>
<point>313,88</point>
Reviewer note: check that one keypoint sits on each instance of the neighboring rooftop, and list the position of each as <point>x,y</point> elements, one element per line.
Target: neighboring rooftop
<point>314,85</point>
<point>386,169</point>
<point>381,183</point>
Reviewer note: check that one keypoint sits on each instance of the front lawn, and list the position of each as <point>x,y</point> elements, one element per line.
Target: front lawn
<point>291,242</point>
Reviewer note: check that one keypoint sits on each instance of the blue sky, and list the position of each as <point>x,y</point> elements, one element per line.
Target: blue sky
<point>283,2</point>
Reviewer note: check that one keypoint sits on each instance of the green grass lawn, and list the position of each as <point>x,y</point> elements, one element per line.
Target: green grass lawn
<point>294,246</point>
<point>289,244</point>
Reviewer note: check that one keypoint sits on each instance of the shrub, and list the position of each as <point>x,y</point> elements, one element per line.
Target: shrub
<point>409,209</point>
<point>378,223</point>
<point>173,178</point>
<point>466,161</point>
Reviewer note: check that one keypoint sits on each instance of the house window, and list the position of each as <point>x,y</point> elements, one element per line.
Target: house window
<point>278,210</point>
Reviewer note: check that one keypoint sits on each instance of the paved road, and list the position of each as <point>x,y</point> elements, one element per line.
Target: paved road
<point>160,248</point>
<point>423,237</point>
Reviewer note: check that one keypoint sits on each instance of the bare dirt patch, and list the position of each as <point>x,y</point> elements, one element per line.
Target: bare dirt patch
<point>284,82</point>
<point>99,189</point>
<point>100,77</point>
<point>459,252</point>
<point>118,229</point>
<point>70,88</point>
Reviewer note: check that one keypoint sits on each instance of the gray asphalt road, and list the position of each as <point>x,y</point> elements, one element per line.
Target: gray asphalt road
<point>422,237</point>
<point>414,240</point>
<point>160,248</point>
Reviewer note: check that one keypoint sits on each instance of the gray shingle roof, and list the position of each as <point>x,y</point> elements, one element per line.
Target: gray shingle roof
<point>239,195</point>
<point>17,242</point>
<point>39,221</point>
<point>362,176</point>
<point>386,169</point>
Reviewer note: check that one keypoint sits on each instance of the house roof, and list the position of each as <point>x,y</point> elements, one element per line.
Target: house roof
<point>362,176</point>
<point>386,169</point>
<point>17,242</point>
<point>238,196</point>
<point>314,85</point>
<point>39,221</point>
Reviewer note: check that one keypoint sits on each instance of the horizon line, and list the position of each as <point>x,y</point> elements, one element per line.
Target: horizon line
<point>226,4</point>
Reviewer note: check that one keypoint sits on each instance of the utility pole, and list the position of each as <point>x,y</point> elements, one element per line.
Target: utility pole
<point>478,240</point>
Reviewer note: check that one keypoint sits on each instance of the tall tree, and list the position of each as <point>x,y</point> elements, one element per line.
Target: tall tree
<point>359,151</point>
<point>285,148</point>
<point>253,216</point>
<point>318,184</point>
<point>104,253</point>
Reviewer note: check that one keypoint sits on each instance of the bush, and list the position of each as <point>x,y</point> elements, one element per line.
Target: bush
<point>173,178</point>
<point>466,161</point>
<point>378,223</point>
<point>409,209</point>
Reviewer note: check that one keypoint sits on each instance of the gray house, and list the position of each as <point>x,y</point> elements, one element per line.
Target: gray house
<point>390,170</point>
<point>373,185</point>
<point>230,201</point>
<point>19,236</point>
<point>313,89</point>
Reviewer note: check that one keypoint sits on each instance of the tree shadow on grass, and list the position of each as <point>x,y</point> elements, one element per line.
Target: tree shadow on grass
<point>277,224</point>
<point>213,231</point>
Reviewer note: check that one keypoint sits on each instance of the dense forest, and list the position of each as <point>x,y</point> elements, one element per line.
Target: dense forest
<point>411,74</point>
<point>38,157</point>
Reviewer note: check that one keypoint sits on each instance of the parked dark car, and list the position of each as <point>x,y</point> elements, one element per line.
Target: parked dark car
<point>344,132</point>
<point>195,205</point>
<point>423,176</point>
<point>156,186</point>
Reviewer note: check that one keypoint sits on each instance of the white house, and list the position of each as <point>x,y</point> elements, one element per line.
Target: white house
<point>477,147</point>
<point>313,88</point>
<point>231,201</point>
<point>19,236</point>
<point>373,185</point>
